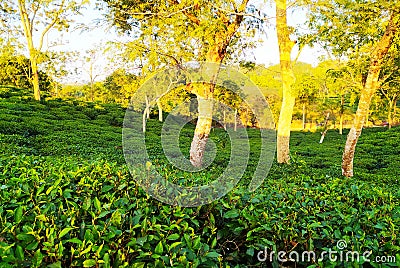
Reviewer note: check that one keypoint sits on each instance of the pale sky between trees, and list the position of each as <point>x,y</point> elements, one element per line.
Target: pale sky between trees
<point>77,40</point>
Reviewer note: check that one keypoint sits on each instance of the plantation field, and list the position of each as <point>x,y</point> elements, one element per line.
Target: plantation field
<point>67,198</point>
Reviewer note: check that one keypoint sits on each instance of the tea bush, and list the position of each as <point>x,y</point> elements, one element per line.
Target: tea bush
<point>68,200</point>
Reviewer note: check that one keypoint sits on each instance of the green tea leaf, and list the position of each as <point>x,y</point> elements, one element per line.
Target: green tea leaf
<point>37,258</point>
<point>55,265</point>
<point>97,204</point>
<point>65,231</point>
<point>175,244</point>
<point>159,248</point>
<point>231,214</point>
<point>173,237</point>
<point>89,263</point>
<point>19,252</point>
<point>212,254</point>
<point>18,214</point>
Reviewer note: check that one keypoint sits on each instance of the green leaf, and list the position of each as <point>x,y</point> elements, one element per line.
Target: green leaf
<point>231,214</point>
<point>75,241</point>
<point>65,231</point>
<point>41,217</point>
<point>19,252</point>
<point>379,226</point>
<point>18,214</point>
<point>106,259</point>
<point>175,244</point>
<point>212,254</point>
<point>138,265</point>
<point>315,225</point>
<point>89,263</point>
<point>214,242</point>
<point>25,237</point>
<point>55,265</point>
<point>32,245</point>
<point>173,237</point>
<point>159,248</point>
<point>250,251</point>
<point>37,258</point>
<point>97,204</point>
<point>103,213</point>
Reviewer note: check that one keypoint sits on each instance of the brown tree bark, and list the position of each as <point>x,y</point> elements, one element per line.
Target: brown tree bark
<point>288,96</point>
<point>371,86</point>
<point>202,131</point>
<point>204,94</point>
<point>215,54</point>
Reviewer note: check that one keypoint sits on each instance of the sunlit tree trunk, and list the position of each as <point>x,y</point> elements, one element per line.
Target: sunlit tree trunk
<point>215,54</point>
<point>160,115</point>
<point>235,121</point>
<point>224,115</point>
<point>341,115</point>
<point>147,107</point>
<point>394,110</point>
<point>285,117</point>
<point>341,124</point>
<point>205,93</point>
<point>202,131</point>
<point>35,77</point>
<point>304,116</point>
<point>146,113</point>
<point>370,87</point>
<point>26,24</point>
<point>390,118</point>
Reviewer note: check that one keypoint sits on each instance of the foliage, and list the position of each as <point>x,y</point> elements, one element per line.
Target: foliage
<point>120,86</point>
<point>16,71</point>
<point>36,19</point>
<point>67,199</point>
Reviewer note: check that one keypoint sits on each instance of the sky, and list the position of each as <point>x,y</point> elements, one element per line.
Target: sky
<point>266,53</point>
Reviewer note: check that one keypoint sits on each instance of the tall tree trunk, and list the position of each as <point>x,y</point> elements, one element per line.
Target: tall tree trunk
<point>285,48</point>
<point>325,129</point>
<point>205,93</point>
<point>147,107</point>
<point>160,115</point>
<point>390,121</point>
<point>26,25</point>
<point>215,54</point>
<point>202,131</point>
<point>394,110</point>
<point>35,78</point>
<point>341,124</point>
<point>224,123</point>
<point>235,121</point>
<point>146,113</point>
<point>370,87</point>
<point>304,116</point>
<point>341,114</point>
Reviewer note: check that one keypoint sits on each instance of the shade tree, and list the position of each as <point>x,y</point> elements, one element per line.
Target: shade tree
<point>185,30</point>
<point>365,28</point>
<point>36,19</point>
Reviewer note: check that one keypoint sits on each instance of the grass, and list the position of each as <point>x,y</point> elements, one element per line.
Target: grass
<point>67,198</point>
